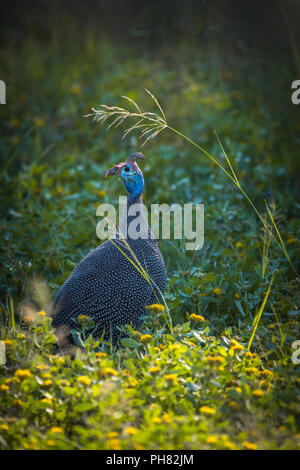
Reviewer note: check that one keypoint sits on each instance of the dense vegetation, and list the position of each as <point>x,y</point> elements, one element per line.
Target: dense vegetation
<point>187,380</point>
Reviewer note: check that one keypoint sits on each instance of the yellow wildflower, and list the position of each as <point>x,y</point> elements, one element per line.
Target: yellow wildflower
<point>238,390</point>
<point>196,318</point>
<point>236,346</point>
<point>219,359</point>
<point>236,295</point>
<point>146,338</point>
<point>42,367</point>
<point>50,442</point>
<point>171,377</point>
<point>238,245</point>
<point>254,370</point>
<point>22,373</point>
<point>207,410</point>
<point>42,313</point>
<point>46,375</point>
<point>101,193</point>
<point>109,371</point>
<point>130,431</point>
<point>250,354</point>
<point>167,418</point>
<point>47,383</point>
<point>4,388</point>
<point>100,354</point>
<point>9,380</point>
<point>154,369</point>
<point>156,307</point>
<point>230,445</point>
<point>83,379</point>
<point>258,393</point>
<point>266,373</point>
<point>156,420</point>
<point>217,291</point>
<point>114,444</point>
<point>7,342</point>
<point>250,445</point>
<point>112,434</point>
<point>61,360</point>
<point>4,427</point>
<point>211,440</point>
<point>56,430</point>
<point>17,402</point>
<point>47,400</point>
<point>174,347</point>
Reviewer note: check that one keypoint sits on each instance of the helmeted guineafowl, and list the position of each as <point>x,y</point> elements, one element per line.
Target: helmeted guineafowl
<point>106,286</point>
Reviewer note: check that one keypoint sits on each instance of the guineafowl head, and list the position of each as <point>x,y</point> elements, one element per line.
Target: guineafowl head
<point>131,176</point>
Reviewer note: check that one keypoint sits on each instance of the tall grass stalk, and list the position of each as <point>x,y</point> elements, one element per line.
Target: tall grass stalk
<point>258,315</point>
<point>149,125</point>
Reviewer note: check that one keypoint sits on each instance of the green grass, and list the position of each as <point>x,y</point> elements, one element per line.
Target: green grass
<point>193,384</point>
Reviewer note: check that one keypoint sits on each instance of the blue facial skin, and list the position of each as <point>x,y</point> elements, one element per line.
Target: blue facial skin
<point>133,181</point>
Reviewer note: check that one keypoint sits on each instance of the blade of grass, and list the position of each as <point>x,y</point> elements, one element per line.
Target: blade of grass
<point>259,314</point>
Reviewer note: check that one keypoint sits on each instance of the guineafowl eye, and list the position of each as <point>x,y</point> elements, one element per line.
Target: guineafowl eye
<point>127,168</point>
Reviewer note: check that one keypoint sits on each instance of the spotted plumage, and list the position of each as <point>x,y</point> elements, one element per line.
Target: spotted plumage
<point>106,286</point>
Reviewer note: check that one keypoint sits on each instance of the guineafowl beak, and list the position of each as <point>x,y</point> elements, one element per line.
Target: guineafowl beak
<point>115,170</point>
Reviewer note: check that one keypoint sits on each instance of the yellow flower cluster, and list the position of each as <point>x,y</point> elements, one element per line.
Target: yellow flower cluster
<point>130,431</point>
<point>207,410</point>
<point>156,307</point>
<point>217,291</point>
<point>171,377</point>
<point>258,393</point>
<point>211,440</point>
<point>56,430</point>
<point>219,359</point>
<point>22,373</point>
<point>236,346</point>
<point>154,369</point>
<point>250,445</point>
<point>196,318</point>
<point>100,354</point>
<point>84,380</point>
<point>146,338</point>
<point>109,371</point>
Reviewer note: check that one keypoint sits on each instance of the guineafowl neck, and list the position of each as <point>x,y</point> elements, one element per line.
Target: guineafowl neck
<point>133,219</point>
